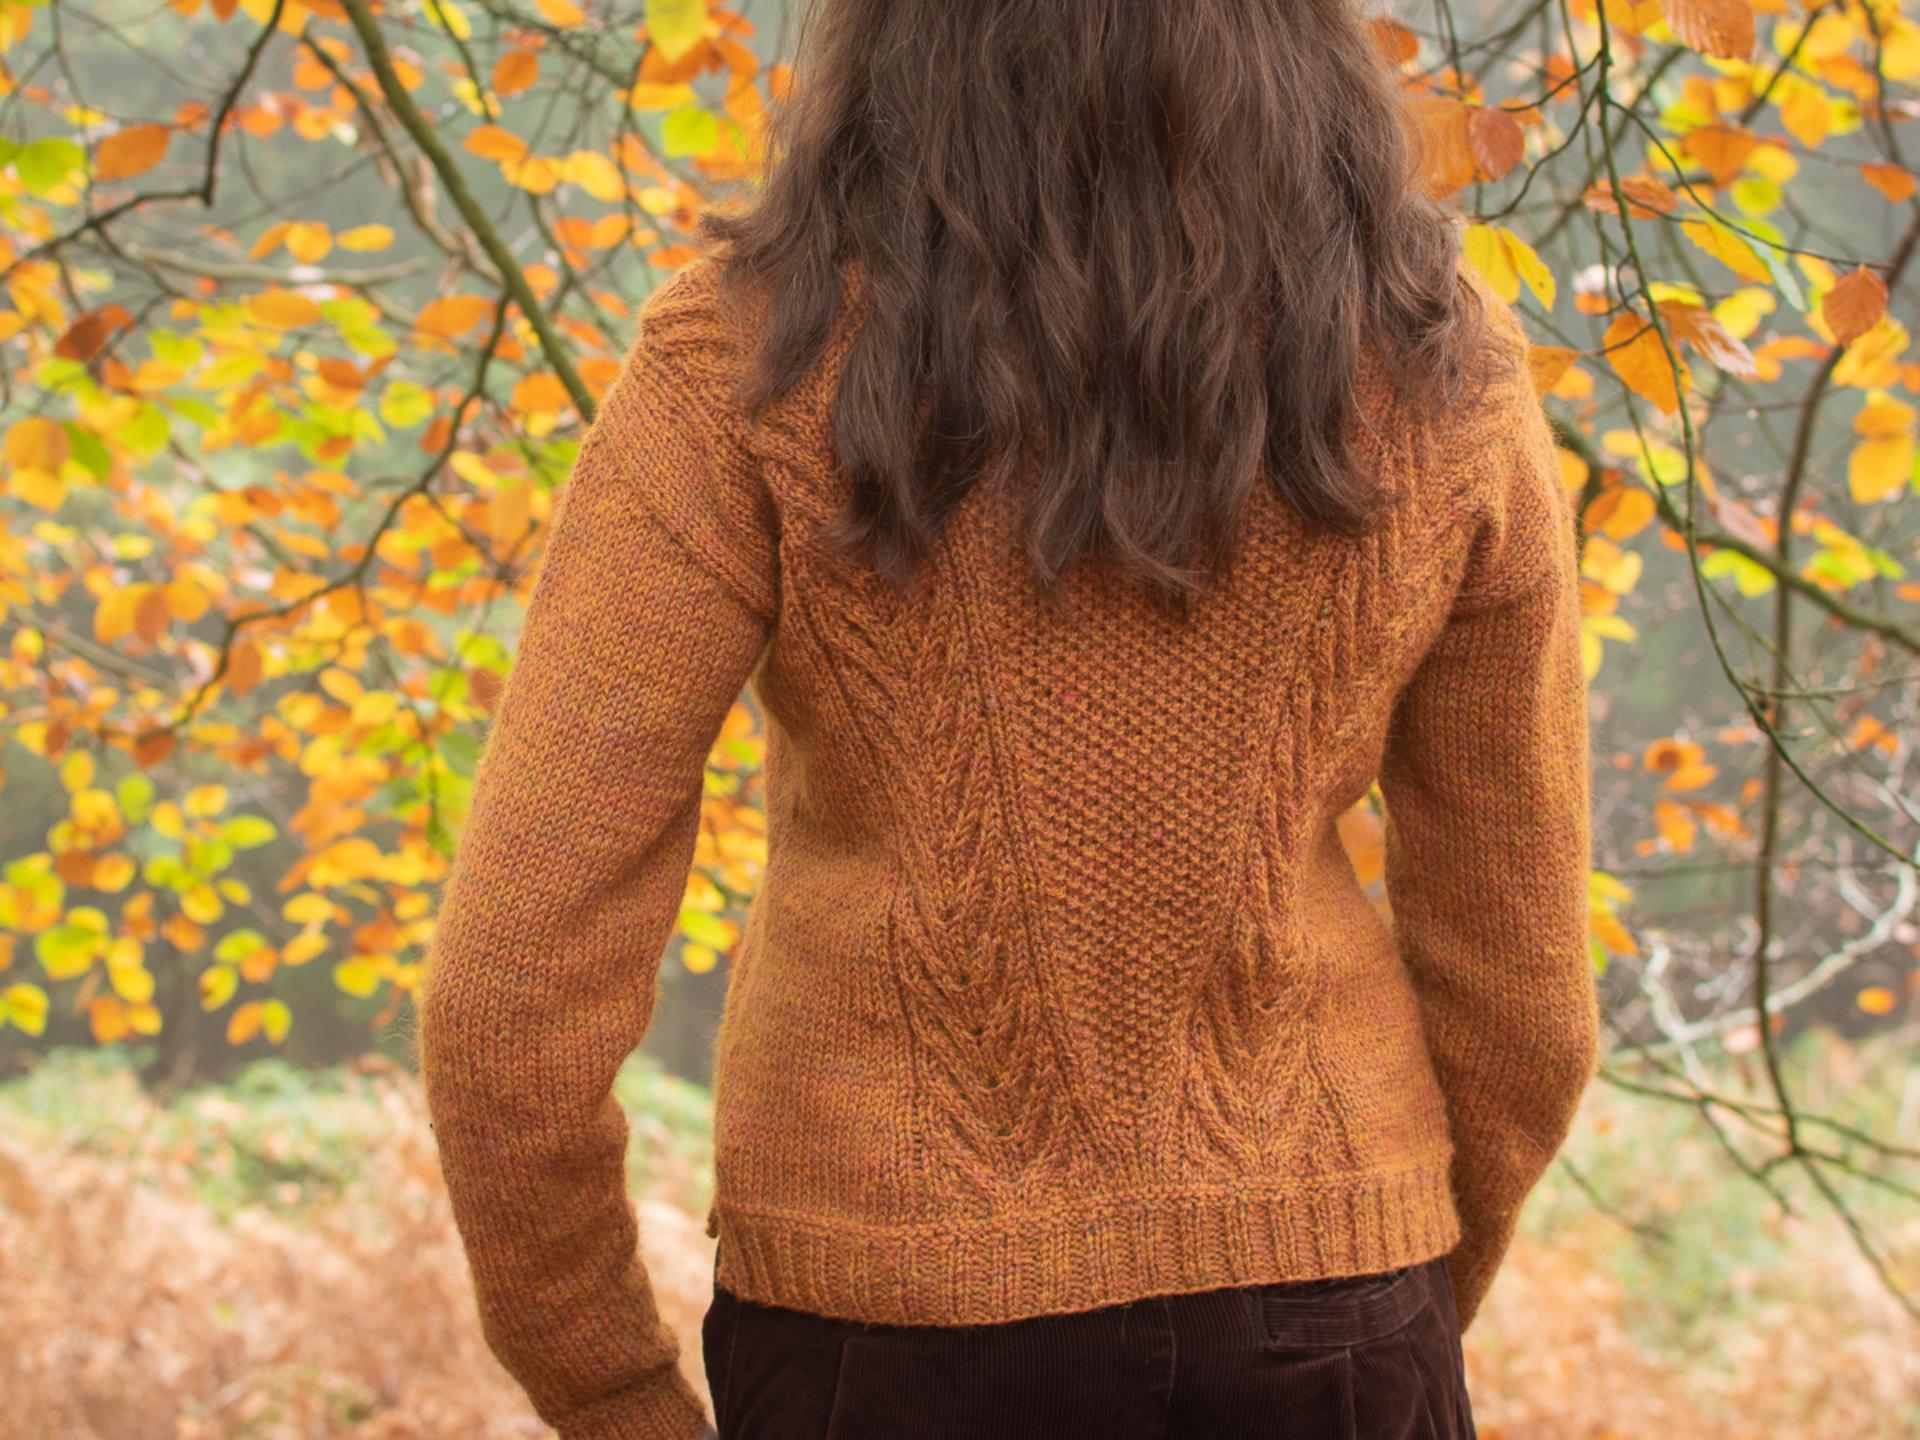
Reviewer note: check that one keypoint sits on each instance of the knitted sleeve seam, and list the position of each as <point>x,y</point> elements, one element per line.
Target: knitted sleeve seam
<point>719,563</point>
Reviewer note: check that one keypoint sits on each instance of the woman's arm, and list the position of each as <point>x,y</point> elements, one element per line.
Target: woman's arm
<point>651,606</point>
<point>1486,783</point>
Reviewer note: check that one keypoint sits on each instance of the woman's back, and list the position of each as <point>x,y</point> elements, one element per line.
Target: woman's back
<point>1059,990</point>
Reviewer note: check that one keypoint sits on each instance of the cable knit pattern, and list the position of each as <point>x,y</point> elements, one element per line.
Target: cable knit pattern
<point>1059,990</point>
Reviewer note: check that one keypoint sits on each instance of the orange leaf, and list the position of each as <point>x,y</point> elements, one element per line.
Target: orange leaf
<point>1890,180</point>
<point>1722,149</point>
<point>1445,151</point>
<point>540,391</point>
<point>1495,139</point>
<point>1634,350</point>
<point>132,151</point>
<point>1701,328</point>
<point>515,71</point>
<point>1546,364</point>
<point>1723,28</point>
<point>1397,44</point>
<point>452,315</point>
<point>1854,305</point>
<point>283,309</point>
<point>494,142</point>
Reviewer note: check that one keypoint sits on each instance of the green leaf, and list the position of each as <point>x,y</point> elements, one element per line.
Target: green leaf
<point>135,794</point>
<point>405,404</point>
<point>689,130</point>
<point>86,448</point>
<point>44,165</point>
<point>238,945</point>
<point>248,832</point>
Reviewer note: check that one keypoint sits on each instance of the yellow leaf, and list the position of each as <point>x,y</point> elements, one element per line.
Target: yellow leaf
<point>1531,268</point>
<point>217,986</point>
<point>1485,251</point>
<point>451,18</point>
<point>201,904</point>
<point>1728,248</point>
<point>41,489</point>
<point>77,770</point>
<point>561,14</point>
<point>358,977</point>
<point>1805,110</point>
<point>657,95</point>
<point>308,241</point>
<point>594,173</point>
<point>283,309</point>
<point>37,443</point>
<point>535,174</point>
<point>25,1007</point>
<point>1877,470</point>
<point>275,1020</point>
<point>132,983</point>
<point>203,800</point>
<point>675,26</point>
<point>364,237</point>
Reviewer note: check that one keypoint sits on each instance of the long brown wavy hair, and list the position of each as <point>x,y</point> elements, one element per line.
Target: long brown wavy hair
<point>1130,250</point>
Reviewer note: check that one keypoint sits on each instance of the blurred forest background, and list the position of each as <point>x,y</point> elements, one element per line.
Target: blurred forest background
<point>305,308</point>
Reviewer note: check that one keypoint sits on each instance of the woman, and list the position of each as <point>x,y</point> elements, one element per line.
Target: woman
<point>1089,448</point>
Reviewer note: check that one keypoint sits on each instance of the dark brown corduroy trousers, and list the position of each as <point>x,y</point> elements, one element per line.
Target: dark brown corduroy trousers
<point>1363,1358</point>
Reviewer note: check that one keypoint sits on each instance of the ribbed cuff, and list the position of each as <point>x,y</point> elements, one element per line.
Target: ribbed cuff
<point>666,1410</point>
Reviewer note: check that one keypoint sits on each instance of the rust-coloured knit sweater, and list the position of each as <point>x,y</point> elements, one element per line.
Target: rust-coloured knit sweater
<point>1059,990</point>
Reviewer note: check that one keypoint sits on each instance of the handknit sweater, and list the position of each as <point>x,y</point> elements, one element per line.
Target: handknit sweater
<point>1059,989</point>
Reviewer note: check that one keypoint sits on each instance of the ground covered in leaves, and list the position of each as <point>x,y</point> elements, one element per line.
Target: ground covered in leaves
<point>274,1259</point>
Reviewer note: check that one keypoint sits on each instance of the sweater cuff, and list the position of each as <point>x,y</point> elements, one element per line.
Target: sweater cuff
<point>665,1409</point>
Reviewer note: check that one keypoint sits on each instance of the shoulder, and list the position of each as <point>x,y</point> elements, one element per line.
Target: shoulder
<point>1500,448</point>
<point>690,320</point>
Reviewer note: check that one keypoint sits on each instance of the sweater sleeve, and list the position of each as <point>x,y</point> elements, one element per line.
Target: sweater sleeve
<point>651,606</point>
<point>1487,785</point>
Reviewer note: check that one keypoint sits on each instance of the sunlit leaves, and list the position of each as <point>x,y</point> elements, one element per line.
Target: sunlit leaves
<point>270,1019</point>
<point>1882,462</point>
<point>1505,260</point>
<point>24,1007</point>
<point>1727,246</point>
<point>1640,357</point>
<point>676,26</point>
<point>365,237</point>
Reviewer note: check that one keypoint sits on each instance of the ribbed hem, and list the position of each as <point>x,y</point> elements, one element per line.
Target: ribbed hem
<point>1109,1250</point>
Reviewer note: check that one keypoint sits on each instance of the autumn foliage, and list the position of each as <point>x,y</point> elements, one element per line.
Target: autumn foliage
<point>306,306</point>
